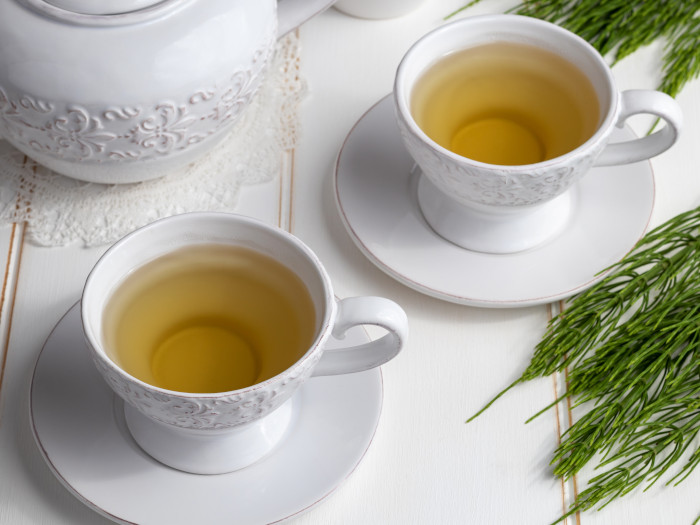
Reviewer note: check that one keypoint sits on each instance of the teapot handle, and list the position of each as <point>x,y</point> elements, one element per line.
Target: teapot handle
<point>292,13</point>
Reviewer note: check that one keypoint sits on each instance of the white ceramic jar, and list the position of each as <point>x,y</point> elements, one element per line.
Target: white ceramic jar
<point>377,9</point>
<point>129,90</point>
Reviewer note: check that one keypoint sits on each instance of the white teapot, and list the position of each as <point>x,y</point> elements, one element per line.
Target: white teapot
<point>118,91</point>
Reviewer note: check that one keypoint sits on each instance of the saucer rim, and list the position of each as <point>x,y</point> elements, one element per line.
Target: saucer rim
<point>322,496</point>
<point>463,299</point>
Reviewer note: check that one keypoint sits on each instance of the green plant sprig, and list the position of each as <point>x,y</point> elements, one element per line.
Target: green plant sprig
<point>618,28</point>
<point>631,345</point>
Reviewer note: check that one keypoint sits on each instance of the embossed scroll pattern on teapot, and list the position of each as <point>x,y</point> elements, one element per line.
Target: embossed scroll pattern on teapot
<point>118,91</point>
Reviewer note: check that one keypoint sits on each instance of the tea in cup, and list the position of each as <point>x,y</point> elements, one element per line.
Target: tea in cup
<point>503,114</point>
<point>206,324</point>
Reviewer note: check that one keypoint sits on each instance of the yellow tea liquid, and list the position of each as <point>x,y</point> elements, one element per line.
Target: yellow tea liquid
<point>505,103</point>
<point>209,318</point>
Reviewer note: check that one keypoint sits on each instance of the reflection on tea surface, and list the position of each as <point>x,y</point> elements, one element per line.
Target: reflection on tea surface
<point>506,103</point>
<point>209,318</point>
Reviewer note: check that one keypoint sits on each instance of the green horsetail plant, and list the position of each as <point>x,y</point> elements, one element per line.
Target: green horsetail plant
<point>631,347</point>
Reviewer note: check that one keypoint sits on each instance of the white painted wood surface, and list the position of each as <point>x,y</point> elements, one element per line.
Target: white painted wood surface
<point>425,465</point>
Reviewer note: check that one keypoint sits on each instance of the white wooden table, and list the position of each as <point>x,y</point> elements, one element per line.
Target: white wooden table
<point>425,466</point>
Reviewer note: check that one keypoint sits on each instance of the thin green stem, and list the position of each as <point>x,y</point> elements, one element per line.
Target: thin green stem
<point>631,347</point>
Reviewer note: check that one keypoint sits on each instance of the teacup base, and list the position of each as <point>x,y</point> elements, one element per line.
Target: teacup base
<point>491,229</point>
<point>209,451</point>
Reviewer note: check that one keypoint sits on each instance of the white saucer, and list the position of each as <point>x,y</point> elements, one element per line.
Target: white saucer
<point>375,187</point>
<point>78,424</point>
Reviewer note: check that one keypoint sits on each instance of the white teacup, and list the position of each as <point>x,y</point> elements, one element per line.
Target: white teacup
<point>222,432</point>
<point>503,209</point>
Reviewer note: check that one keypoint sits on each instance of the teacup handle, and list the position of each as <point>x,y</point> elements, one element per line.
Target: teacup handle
<point>635,101</point>
<point>354,311</point>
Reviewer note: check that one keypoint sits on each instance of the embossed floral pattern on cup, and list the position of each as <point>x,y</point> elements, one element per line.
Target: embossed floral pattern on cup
<point>468,183</point>
<point>212,412</point>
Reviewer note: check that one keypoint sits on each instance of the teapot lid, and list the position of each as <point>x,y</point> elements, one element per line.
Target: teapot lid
<point>102,12</point>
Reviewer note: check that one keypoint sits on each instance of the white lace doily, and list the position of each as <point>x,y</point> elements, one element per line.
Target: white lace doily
<point>60,211</point>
